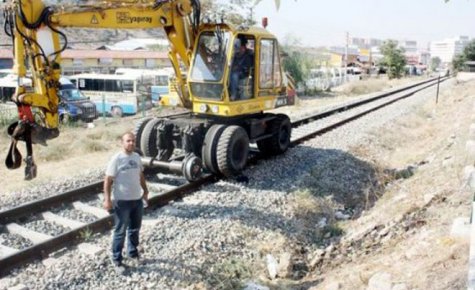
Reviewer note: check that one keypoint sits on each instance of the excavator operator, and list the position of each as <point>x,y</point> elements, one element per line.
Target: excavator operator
<point>242,64</point>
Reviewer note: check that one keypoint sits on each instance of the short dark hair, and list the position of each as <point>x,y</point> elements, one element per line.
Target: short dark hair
<point>243,39</point>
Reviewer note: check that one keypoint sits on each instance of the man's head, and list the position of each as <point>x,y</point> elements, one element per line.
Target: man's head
<point>128,142</point>
<point>243,40</point>
<point>240,43</point>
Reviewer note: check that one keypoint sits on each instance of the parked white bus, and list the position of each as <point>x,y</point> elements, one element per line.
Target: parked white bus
<point>116,95</point>
<point>160,77</point>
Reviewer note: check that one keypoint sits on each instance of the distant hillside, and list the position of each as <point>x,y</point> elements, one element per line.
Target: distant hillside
<point>80,38</point>
<point>92,38</point>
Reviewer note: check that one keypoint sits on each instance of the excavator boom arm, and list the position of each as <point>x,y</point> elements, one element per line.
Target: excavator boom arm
<point>36,37</point>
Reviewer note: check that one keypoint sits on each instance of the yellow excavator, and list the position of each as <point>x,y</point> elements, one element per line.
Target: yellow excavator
<point>226,109</point>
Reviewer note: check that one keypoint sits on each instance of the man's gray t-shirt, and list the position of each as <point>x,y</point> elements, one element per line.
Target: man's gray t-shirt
<point>126,171</point>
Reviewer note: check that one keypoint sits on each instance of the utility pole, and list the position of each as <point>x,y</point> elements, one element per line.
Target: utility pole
<point>346,53</point>
<point>251,16</point>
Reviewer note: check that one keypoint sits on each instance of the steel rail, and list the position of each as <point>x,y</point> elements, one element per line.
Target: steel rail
<point>352,118</point>
<point>49,202</point>
<point>352,105</point>
<point>43,249</point>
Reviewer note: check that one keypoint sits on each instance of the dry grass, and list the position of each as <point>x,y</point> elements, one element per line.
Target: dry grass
<point>229,274</point>
<point>80,141</point>
<point>372,85</point>
<point>311,209</point>
<point>76,150</point>
<point>274,244</point>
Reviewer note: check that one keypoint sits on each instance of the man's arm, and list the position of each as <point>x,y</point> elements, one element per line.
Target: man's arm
<point>107,192</point>
<point>144,186</point>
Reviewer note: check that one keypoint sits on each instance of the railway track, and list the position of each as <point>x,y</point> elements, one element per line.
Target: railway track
<point>71,214</point>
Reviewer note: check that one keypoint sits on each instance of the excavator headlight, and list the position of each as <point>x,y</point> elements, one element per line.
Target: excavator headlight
<point>203,108</point>
<point>215,109</point>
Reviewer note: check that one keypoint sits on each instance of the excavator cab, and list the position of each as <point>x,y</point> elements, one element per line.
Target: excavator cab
<point>236,72</point>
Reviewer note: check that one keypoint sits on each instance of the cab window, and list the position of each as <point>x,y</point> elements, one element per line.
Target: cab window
<point>270,75</point>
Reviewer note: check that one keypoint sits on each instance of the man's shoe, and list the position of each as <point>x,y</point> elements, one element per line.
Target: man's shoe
<point>135,261</point>
<point>118,267</point>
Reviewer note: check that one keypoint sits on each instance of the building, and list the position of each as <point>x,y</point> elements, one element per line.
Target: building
<point>448,48</point>
<point>470,66</point>
<point>137,43</point>
<point>337,56</point>
<point>424,57</point>
<point>365,43</point>
<point>6,58</point>
<point>409,46</point>
<point>370,42</point>
<point>107,61</point>
<point>104,61</point>
<point>358,42</point>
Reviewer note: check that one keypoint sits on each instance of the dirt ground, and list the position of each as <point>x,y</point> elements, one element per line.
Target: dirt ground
<point>403,242</point>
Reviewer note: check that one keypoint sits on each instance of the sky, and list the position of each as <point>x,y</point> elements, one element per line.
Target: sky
<point>322,23</point>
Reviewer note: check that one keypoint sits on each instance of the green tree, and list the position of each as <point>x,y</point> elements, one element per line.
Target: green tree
<point>236,12</point>
<point>435,63</point>
<point>468,54</point>
<point>458,62</point>
<point>469,51</point>
<point>296,62</point>
<point>393,59</point>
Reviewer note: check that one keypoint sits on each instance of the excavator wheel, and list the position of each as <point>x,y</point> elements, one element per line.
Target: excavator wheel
<point>148,140</point>
<point>279,142</point>
<point>138,130</point>
<point>210,148</point>
<point>192,167</point>
<point>233,149</point>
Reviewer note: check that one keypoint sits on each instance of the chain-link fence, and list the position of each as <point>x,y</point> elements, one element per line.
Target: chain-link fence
<point>8,114</point>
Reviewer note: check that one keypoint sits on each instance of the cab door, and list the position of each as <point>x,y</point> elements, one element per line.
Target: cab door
<point>270,73</point>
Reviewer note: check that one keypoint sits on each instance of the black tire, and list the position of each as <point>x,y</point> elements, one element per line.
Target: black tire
<point>279,142</point>
<point>148,140</point>
<point>233,149</point>
<point>138,130</point>
<point>210,148</point>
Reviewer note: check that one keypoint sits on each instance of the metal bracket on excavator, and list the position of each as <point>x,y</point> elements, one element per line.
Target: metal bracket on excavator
<point>30,133</point>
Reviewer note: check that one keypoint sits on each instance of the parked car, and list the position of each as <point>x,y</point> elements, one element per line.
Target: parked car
<point>73,104</point>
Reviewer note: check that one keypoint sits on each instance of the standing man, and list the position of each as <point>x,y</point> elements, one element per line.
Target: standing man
<point>124,176</point>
